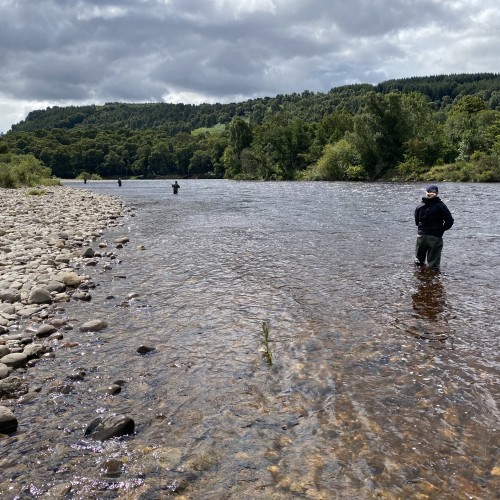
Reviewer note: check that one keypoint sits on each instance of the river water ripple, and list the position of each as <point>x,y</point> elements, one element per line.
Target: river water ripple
<point>384,382</point>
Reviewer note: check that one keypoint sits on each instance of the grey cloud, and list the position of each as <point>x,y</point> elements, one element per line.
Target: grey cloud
<point>139,50</point>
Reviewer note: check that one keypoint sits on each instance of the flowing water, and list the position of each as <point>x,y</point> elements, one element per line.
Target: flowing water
<point>384,378</point>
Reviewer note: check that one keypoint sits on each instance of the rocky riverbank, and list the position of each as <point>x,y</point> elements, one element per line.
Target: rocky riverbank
<point>47,237</point>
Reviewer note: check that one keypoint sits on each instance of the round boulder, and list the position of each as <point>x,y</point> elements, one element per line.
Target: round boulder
<point>4,371</point>
<point>109,427</point>
<point>56,286</point>
<point>89,252</point>
<point>36,350</point>
<point>10,296</point>
<point>39,296</point>
<point>14,359</point>
<point>12,387</point>
<point>93,326</point>
<point>72,279</point>
<point>144,349</point>
<point>45,330</point>
<point>8,422</point>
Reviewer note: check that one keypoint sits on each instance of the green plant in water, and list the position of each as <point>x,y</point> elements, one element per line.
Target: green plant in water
<point>265,343</point>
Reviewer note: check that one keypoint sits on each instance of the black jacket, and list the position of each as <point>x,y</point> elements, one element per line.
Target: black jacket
<point>433,217</point>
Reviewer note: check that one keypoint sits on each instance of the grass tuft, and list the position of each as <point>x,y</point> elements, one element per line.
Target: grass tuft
<point>265,343</point>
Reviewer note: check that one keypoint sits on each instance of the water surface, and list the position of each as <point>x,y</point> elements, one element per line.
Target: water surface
<point>384,380</point>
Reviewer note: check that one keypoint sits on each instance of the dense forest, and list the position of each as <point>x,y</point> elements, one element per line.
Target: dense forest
<point>423,128</point>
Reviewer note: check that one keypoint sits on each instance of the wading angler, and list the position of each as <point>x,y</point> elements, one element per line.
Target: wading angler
<point>432,218</point>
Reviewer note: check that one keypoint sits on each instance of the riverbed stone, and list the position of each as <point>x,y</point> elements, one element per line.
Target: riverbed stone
<point>4,371</point>
<point>8,421</point>
<point>36,350</point>
<point>12,387</point>
<point>8,308</point>
<point>14,359</point>
<point>93,325</point>
<point>63,258</point>
<point>29,311</point>
<point>10,295</point>
<point>56,286</point>
<point>46,238</point>
<point>72,279</point>
<point>111,389</point>
<point>109,427</point>
<point>82,295</point>
<point>59,491</point>
<point>45,330</point>
<point>144,349</point>
<point>89,252</point>
<point>40,296</point>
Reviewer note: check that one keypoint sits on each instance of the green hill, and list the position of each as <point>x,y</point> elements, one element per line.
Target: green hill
<point>308,106</point>
<point>444,127</point>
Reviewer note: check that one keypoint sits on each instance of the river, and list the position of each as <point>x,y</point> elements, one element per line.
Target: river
<point>384,377</point>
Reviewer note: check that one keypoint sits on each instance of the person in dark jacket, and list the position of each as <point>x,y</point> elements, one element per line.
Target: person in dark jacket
<point>175,187</point>
<point>432,218</point>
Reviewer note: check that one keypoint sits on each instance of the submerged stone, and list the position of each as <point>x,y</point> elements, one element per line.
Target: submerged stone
<point>109,427</point>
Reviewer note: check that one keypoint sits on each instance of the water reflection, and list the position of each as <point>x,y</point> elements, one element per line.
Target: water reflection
<point>430,305</point>
<point>429,301</point>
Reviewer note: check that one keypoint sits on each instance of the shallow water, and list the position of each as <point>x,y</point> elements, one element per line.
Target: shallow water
<point>384,381</point>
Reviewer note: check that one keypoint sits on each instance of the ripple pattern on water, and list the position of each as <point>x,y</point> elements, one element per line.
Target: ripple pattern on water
<point>384,379</point>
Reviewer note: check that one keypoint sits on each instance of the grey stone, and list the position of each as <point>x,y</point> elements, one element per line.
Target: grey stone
<point>36,350</point>
<point>8,421</point>
<point>59,490</point>
<point>111,389</point>
<point>109,427</point>
<point>39,296</point>
<point>63,258</point>
<point>10,296</point>
<point>4,371</point>
<point>144,349</point>
<point>81,295</point>
<point>72,279</point>
<point>14,359</point>
<point>12,387</point>
<point>56,286</point>
<point>45,330</point>
<point>89,252</point>
<point>93,325</point>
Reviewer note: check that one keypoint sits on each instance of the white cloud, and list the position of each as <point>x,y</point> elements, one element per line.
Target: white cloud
<point>239,9</point>
<point>94,12</point>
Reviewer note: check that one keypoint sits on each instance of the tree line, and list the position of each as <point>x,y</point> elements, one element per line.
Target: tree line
<point>427,128</point>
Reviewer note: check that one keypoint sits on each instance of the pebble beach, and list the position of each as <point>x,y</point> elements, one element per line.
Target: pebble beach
<point>48,236</point>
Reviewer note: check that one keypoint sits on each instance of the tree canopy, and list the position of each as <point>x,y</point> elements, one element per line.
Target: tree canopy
<point>440,127</point>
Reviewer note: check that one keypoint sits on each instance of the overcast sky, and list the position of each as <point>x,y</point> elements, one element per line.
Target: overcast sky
<point>62,52</point>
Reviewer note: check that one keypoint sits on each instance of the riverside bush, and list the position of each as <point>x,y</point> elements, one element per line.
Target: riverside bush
<point>23,170</point>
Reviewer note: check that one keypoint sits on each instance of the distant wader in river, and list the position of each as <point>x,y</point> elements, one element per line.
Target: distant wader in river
<point>175,187</point>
